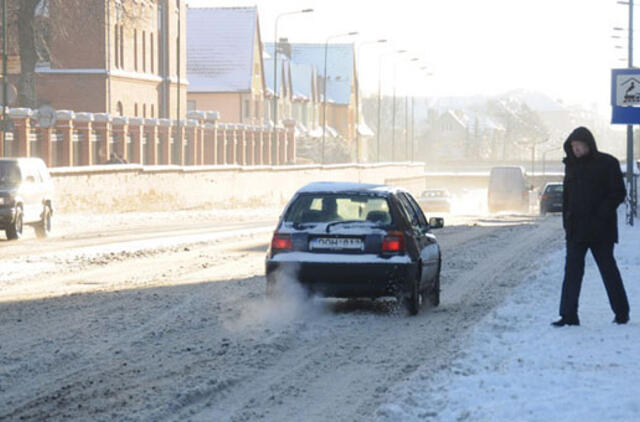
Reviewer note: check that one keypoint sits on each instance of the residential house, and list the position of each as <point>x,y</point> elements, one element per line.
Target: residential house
<point>305,99</point>
<point>123,57</point>
<point>224,63</point>
<point>459,134</point>
<point>340,82</point>
<point>284,89</point>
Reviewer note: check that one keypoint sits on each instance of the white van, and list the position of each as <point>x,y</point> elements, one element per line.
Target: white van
<point>508,189</point>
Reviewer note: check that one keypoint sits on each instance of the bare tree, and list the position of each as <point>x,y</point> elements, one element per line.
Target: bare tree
<point>27,28</point>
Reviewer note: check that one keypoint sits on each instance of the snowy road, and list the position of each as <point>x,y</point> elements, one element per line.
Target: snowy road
<point>183,331</point>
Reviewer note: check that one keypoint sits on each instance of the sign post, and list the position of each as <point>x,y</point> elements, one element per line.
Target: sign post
<point>625,104</point>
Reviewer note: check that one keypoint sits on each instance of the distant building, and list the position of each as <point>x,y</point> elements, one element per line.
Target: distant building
<point>458,134</point>
<point>123,57</point>
<point>340,81</point>
<point>225,67</point>
<point>284,89</point>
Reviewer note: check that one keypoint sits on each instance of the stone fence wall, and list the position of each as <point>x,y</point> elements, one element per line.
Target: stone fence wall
<point>86,139</point>
<point>119,188</point>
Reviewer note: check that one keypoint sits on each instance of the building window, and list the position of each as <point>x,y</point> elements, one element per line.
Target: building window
<point>117,46</point>
<point>144,111</point>
<point>122,46</point>
<point>153,111</point>
<point>152,52</point>
<point>135,110</point>
<point>144,51</point>
<point>257,109</point>
<point>135,50</point>
<point>247,109</point>
<point>119,109</point>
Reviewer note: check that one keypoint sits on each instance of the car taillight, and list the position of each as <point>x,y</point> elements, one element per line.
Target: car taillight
<point>393,242</point>
<point>281,242</point>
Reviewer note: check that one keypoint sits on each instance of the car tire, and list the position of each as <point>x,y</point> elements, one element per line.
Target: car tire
<point>43,228</point>
<point>412,299</point>
<point>14,230</point>
<point>434,295</point>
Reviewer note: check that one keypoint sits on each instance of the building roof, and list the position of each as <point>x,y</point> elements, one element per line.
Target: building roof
<point>302,79</point>
<point>220,48</point>
<point>283,66</point>
<point>340,63</point>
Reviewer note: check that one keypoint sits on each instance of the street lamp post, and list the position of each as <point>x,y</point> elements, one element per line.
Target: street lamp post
<point>324,95</point>
<point>393,112</point>
<point>358,93</point>
<point>379,126</point>
<point>275,67</point>
<point>406,118</point>
<point>413,108</point>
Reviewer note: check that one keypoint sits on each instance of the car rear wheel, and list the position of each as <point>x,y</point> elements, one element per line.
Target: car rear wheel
<point>14,230</point>
<point>412,300</point>
<point>434,296</point>
<point>43,228</point>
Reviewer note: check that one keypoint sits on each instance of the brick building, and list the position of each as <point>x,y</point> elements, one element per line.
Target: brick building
<point>225,67</point>
<point>123,57</point>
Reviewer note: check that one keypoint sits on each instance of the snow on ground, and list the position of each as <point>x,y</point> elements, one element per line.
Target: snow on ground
<point>516,367</point>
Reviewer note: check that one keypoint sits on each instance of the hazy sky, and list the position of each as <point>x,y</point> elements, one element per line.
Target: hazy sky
<point>560,47</point>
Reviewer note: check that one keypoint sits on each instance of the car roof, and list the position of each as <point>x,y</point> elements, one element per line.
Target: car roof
<point>23,160</point>
<point>553,184</point>
<point>347,187</point>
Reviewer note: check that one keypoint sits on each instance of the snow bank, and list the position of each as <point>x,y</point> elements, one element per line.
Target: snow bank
<point>517,367</point>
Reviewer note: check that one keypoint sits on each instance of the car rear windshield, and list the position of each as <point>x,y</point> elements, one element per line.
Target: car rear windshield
<point>326,208</point>
<point>554,189</point>
<point>9,174</point>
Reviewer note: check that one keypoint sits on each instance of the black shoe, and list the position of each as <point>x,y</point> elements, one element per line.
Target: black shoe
<point>621,319</point>
<point>565,321</point>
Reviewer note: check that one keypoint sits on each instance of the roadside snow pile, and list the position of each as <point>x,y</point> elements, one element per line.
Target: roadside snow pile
<point>515,366</point>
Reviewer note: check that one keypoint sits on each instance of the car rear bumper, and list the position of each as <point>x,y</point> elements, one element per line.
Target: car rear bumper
<point>7,216</point>
<point>332,275</point>
<point>551,206</point>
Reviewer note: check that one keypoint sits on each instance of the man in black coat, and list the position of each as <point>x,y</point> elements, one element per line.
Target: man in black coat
<point>593,190</point>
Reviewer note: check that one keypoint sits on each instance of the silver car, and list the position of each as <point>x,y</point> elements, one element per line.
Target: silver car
<point>26,196</point>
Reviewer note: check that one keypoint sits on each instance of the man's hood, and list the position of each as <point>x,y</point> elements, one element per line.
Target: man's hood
<point>580,134</point>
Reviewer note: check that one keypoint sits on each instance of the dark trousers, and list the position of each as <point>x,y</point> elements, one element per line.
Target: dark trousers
<point>574,270</point>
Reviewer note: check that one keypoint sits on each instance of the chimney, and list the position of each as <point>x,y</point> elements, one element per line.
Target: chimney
<point>284,47</point>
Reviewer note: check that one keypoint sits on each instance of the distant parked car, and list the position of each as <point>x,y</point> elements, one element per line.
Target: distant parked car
<point>508,189</point>
<point>26,196</point>
<point>351,240</point>
<point>551,198</point>
<point>435,200</point>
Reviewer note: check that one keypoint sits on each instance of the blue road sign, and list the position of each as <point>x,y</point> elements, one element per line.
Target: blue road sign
<point>625,96</point>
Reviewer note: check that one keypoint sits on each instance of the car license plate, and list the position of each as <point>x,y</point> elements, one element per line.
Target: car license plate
<point>337,243</point>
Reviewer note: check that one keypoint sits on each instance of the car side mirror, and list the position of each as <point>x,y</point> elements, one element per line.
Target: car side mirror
<point>436,223</point>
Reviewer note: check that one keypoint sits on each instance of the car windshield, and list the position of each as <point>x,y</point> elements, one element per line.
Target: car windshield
<point>328,208</point>
<point>9,174</point>
<point>554,189</point>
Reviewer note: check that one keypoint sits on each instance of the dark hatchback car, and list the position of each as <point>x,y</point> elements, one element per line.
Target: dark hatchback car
<point>26,192</point>
<point>551,198</point>
<point>351,240</point>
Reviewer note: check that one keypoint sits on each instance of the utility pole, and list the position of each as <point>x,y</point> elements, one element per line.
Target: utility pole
<point>630,182</point>
<point>4,77</point>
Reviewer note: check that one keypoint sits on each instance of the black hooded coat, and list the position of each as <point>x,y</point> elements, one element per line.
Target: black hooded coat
<point>593,190</point>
